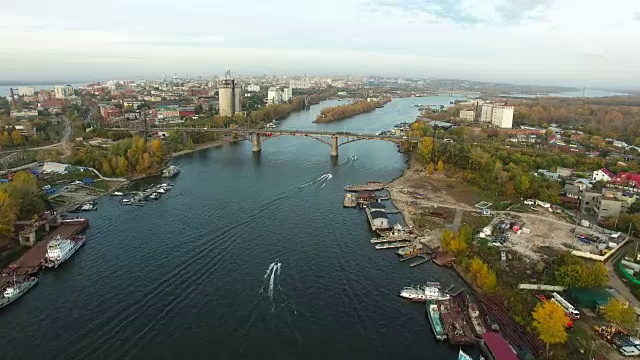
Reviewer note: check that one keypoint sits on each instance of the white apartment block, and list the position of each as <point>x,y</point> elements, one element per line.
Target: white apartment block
<point>63,91</point>
<point>253,88</point>
<point>287,94</point>
<point>26,91</point>
<point>274,95</point>
<point>498,115</point>
<point>467,115</point>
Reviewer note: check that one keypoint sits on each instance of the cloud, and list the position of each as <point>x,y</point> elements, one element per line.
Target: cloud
<point>443,10</point>
<point>173,40</point>
<point>636,17</point>
<point>515,11</point>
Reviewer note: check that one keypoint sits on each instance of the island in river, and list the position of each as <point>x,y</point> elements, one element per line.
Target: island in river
<point>340,112</point>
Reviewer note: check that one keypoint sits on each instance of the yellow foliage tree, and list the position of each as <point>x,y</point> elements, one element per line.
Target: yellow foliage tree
<point>8,214</point>
<point>550,320</point>
<point>482,275</point>
<point>619,313</point>
<point>16,138</point>
<point>453,242</point>
<point>430,169</point>
<point>440,167</point>
<point>425,147</point>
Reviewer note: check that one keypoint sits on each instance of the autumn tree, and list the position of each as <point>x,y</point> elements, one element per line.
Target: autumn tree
<point>571,271</point>
<point>16,138</point>
<point>430,168</point>
<point>453,242</point>
<point>550,320</point>
<point>440,167</point>
<point>619,313</point>
<point>482,275</point>
<point>425,148</point>
<point>8,214</point>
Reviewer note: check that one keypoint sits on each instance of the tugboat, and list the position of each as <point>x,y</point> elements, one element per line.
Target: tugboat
<point>60,249</point>
<point>17,289</point>
<point>171,171</point>
<point>434,318</point>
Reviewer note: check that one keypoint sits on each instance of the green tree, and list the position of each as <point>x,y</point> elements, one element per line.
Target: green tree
<point>619,313</point>
<point>16,138</point>
<point>550,320</point>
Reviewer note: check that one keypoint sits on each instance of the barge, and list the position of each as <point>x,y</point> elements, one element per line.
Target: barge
<point>455,325</point>
<point>370,186</point>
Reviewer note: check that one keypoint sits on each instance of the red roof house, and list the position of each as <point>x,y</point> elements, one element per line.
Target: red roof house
<point>627,179</point>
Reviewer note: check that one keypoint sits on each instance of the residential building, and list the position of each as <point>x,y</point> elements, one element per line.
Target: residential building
<point>572,191</point>
<point>628,196</point>
<point>26,90</point>
<point>627,180</point>
<point>62,91</point>
<point>467,115</point>
<point>548,174</point>
<point>564,172</point>
<point>274,95</point>
<point>498,115</point>
<point>603,174</point>
<point>287,94</point>
<point>582,184</point>
<point>24,114</point>
<point>253,88</point>
<point>604,205</point>
<point>300,83</point>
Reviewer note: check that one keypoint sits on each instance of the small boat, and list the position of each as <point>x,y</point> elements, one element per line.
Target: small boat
<point>161,190</point>
<point>16,289</point>
<point>140,203</point>
<point>60,249</point>
<point>155,196</point>
<point>126,201</point>
<point>463,356</point>
<point>171,171</point>
<point>118,193</point>
<point>433,312</point>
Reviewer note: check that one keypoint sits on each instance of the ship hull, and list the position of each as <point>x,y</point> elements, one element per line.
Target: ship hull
<point>30,283</point>
<point>434,319</point>
<point>55,263</point>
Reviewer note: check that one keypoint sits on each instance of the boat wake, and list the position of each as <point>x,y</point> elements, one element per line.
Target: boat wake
<point>273,272</point>
<point>321,180</point>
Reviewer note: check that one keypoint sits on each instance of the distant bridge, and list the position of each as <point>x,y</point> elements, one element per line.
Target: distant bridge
<point>333,139</point>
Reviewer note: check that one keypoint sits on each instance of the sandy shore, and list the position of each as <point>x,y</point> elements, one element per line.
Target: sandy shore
<point>207,145</point>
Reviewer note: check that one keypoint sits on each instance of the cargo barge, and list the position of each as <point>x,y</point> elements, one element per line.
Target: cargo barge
<point>370,186</point>
<point>455,323</point>
<point>32,261</point>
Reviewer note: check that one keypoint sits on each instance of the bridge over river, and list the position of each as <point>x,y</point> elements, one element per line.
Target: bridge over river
<point>257,136</point>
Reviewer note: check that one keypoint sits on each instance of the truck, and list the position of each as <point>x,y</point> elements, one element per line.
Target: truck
<point>571,311</point>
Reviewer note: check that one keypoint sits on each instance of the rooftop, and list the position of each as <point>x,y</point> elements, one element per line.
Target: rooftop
<point>499,347</point>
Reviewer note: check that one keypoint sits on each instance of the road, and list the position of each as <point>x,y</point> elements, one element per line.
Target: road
<point>615,281</point>
<point>66,134</point>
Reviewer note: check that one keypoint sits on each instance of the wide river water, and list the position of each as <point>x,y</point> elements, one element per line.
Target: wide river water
<point>189,277</point>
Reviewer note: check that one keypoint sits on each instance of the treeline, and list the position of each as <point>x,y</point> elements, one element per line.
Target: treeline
<point>614,117</point>
<point>485,163</point>
<point>127,157</point>
<point>344,111</point>
<point>20,199</point>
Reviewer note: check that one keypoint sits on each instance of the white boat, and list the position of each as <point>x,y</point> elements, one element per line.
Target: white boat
<point>171,171</point>
<point>270,126</point>
<point>419,293</point>
<point>161,190</point>
<point>61,249</point>
<point>15,290</point>
<point>155,196</point>
<point>118,193</point>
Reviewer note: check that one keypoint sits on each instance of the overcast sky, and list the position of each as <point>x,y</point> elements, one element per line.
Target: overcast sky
<point>573,42</point>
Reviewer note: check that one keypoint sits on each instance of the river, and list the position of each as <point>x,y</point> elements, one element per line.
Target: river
<point>188,276</point>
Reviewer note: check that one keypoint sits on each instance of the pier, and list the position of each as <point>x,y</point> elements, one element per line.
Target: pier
<point>425,259</point>
<point>370,186</point>
<point>393,245</point>
<point>31,261</point>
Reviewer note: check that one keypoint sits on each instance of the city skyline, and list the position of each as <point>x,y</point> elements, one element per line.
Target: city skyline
<point>530,42</point>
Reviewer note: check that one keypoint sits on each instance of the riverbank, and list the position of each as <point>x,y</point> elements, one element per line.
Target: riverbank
<point>207,145</point>
<point>342,112</point>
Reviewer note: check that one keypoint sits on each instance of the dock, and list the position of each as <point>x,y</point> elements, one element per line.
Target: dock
<point>444,260</point>
<point>405,258</point>
<point>31,261</point>
<point>393,245</point>
<point>425,259</point>
<point>370,186</point>
<point>371,223</point>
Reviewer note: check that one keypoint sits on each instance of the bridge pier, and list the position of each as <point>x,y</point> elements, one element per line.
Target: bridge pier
<point>257,144</point>
<point>334,146</point>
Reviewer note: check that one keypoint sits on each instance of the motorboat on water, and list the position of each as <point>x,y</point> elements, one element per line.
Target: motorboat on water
<point>155,196</point>
<point>118,193</point>
<point>61,249</point>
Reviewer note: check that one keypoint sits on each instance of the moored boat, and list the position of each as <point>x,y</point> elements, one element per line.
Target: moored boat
<point>171,171</point>
<point>419,293</point>
<point>60,249</point>
<point>434,318</point>
<point>16,289</point>
<point>118,193</point>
